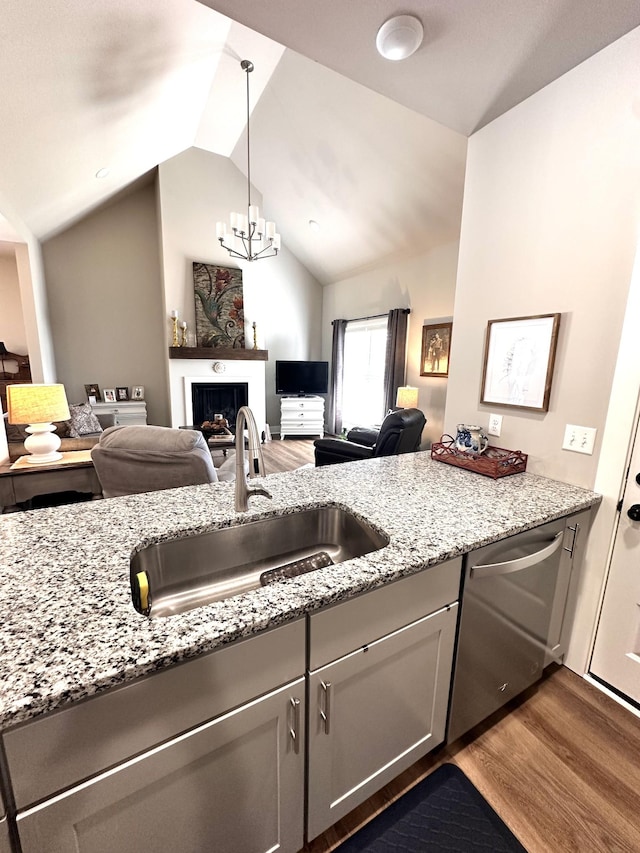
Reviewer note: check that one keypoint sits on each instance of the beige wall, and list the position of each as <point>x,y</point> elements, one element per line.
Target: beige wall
<point>105,297</point>
<point>550,224</point>
<point>425,284</point>
<point>12,331</point>
<point>197,189</point>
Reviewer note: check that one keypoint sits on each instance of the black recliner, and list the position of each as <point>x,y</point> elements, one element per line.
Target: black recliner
<point>400,432</point>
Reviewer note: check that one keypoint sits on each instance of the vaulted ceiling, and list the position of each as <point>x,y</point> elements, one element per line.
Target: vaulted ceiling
<point>373,150</point>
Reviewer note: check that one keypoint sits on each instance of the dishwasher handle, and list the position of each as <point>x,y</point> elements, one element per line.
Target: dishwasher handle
<point>489,570</point>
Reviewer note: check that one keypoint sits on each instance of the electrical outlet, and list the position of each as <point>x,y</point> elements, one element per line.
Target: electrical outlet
<point>579,438</point>
<point>495,425</point>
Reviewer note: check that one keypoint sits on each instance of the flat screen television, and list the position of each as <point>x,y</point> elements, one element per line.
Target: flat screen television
<point>302,377</point>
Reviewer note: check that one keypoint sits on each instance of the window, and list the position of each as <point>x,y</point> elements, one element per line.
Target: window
<point>365,346</point>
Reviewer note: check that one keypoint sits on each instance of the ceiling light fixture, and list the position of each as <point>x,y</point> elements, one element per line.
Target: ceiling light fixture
<point>399,37</point>
<point>250,237</point>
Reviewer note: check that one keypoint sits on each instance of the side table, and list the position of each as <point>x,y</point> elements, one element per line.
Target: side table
<point>22,481</point>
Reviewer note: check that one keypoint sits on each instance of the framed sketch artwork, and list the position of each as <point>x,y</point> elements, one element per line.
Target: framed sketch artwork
<point>518,361</point>
<point>436,342</point>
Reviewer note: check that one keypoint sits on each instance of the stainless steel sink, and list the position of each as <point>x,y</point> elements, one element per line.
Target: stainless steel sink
<point>181,574</point>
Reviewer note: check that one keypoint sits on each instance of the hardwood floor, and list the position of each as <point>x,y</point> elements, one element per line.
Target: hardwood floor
<point>286,455</point>
<point>562,769</point>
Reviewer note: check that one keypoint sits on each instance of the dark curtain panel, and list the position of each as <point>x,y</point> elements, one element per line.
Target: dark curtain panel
<point>394,371</point>
<point>337,371</point>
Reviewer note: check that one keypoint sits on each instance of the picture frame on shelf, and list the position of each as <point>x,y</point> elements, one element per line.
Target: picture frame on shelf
<point>137,392</point>
<point>436,344</point>
<point>519,358</point>
<point>109,395</point>
<point>92,390</point>
<point>122,393</point>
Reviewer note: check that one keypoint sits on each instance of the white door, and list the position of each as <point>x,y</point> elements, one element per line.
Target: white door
<point>616,655</point>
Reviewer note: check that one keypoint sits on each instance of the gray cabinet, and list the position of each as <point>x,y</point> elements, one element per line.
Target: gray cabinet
<point>235,783</point>
<point>5,844</point>
<point>377,709</point>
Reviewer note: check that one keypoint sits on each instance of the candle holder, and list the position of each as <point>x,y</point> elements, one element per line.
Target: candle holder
<point>255,336</point>
<point>183,341</point>
<point>174,319</point>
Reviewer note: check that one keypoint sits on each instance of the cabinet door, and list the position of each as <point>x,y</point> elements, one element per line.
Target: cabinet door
<point>5,844</point>
<point>374,712</point>
<point>233,784</point>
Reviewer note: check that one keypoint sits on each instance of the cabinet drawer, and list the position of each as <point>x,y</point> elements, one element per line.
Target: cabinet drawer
<point>341,629</point>
<point>302,405</point>
<point>51,753</point>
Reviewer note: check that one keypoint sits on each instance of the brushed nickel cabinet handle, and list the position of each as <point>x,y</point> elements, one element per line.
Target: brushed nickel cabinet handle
<point>295,727</point>
<point>325,711</point>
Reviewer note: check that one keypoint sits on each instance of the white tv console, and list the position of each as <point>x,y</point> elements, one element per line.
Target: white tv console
<point>301,416</point>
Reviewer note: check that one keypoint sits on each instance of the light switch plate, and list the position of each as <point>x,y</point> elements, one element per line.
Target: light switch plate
<point>495,425</point>
<point>580,439</point>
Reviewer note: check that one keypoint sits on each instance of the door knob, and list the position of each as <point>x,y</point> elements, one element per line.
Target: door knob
<point>634,512</point>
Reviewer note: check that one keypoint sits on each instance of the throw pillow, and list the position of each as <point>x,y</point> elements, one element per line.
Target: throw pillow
<point>83,421</point>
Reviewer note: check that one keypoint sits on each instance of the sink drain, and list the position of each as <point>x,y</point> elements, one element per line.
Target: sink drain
<point>299,567</point>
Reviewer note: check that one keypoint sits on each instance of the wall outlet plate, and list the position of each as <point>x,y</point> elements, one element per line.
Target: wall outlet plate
<point>495,425</point>
<point>580,439</point>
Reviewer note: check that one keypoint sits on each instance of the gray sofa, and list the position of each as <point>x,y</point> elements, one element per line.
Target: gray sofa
<point>133,459</point>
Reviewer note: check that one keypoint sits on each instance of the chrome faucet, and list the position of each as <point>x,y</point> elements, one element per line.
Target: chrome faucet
<point>256,463</point>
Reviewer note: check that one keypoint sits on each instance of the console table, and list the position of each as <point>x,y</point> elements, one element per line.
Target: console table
<point>22,481</point>
<point>130,413</point>
<point>301,416</point>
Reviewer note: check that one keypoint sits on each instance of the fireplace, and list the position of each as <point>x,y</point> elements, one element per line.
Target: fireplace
<point>250,375</point>
<point>218,398</point>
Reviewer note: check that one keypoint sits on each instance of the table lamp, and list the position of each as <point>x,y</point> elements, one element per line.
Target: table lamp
<point>407,397</point>
<point>38,405</point>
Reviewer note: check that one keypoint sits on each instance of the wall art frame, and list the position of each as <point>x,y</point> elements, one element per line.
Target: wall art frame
<point>137,392</point>
<point>122,393</point>
<point>109,395</point>
<point>519,358</point>
<point>436,346</point>
<point>219,306</point>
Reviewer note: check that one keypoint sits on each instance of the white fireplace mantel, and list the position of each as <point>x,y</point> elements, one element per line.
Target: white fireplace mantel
<point>183,374</point>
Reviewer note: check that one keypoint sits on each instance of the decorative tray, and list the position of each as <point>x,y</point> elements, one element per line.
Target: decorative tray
<point>494,462</point>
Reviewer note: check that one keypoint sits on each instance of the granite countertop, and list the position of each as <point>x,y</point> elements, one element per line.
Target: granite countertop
<point>69,630</point>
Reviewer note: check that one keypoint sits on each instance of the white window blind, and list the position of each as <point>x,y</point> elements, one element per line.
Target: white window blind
<point>365,345</point>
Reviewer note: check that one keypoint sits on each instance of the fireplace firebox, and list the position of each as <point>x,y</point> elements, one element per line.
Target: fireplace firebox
<point>218,398</point>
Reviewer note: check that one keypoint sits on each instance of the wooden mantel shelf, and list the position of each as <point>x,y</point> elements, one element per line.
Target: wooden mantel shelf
<point>219,353</point>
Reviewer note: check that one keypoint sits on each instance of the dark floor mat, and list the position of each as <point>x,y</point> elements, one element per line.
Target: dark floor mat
<point>444,812</point>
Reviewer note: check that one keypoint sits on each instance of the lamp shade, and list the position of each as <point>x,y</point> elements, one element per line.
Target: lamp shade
<point>36,404</point>
<point>407,397</point>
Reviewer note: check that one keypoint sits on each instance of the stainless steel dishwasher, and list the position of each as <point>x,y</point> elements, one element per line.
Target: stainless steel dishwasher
<point>514,605</point>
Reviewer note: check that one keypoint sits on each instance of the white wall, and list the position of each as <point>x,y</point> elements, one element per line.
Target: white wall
<point>425,284</point>
<point>197,189</point>
<point>550,224</point>
<point>12,331</point>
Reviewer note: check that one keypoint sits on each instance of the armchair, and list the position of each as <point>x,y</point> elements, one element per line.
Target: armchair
<point>400,432</point>
<point>133,459</point>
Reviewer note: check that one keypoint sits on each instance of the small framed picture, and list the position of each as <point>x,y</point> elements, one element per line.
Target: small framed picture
<point>137,392</point>
<point>110,395</point>
<point>92,390</point>
<point>519,357</point>
<point>436,342</point>
<point>122,394</point>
